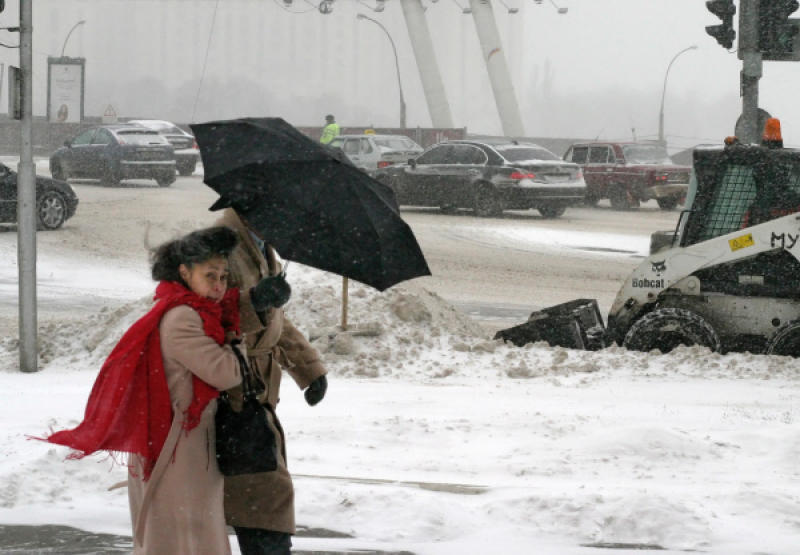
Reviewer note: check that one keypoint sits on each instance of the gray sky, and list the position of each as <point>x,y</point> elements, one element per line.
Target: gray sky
<point>596,71</point>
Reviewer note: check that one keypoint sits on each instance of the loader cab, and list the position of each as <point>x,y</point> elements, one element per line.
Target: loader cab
<point>739,186</point>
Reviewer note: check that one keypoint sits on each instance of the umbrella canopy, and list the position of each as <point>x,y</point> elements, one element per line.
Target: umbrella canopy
<point>308,202</point>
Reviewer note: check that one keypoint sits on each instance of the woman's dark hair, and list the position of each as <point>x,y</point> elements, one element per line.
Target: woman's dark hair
<point>195,248</point>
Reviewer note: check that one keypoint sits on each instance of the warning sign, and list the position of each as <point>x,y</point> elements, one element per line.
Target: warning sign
<point>110,115</point>
<point>741,242</point>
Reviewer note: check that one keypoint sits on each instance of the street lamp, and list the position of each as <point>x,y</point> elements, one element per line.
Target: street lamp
<point>81,22</point>
<point>664,91</point>
<point>396,65</point>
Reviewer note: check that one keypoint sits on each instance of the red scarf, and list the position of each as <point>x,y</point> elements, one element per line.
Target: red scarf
<point>129,409</point>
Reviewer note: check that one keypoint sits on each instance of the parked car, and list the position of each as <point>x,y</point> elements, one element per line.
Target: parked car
<point>56,201</point>
<point>115,152</point>
<point>187,153</point>
<point>630,173</point>
<point>372,152</point>
<point>488,176</point>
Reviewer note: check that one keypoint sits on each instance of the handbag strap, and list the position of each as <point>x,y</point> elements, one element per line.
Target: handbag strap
<point>247,388</point>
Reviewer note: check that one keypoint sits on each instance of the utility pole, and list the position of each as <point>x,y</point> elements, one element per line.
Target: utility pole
<point>26,199</point>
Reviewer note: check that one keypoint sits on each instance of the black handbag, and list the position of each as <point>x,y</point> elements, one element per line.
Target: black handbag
<point>245,441</point>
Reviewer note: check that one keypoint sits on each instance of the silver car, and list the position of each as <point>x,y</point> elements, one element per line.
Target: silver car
<point>371,152</point>
<point>187,152</point>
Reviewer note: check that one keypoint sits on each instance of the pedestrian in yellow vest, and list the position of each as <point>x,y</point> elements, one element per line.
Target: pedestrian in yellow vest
<point>330,130</point>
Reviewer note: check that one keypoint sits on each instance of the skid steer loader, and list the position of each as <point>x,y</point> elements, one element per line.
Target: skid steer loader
<point>727,277</point>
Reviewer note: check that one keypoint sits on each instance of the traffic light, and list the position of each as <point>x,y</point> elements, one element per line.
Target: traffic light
<point>724,33</point>
<point>776,32</point>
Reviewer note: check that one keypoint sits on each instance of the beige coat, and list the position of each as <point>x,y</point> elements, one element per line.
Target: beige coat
<point>266,500</point>
<point>179,510</point>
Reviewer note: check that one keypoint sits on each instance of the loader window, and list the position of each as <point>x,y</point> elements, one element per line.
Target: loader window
<point>778,192</point>
<point>730,202</point>
<point>740,187</point>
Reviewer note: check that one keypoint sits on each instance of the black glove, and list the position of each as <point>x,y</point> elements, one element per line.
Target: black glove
<point>271,291</point>
<point>316,391</point>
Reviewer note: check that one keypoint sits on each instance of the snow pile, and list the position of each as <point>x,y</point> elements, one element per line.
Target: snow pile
<point>406,332</point>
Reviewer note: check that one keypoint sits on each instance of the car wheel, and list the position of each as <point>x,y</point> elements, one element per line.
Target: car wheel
<point>51,211</point>
<point>619,198</point>
<point>666,328</point>
<point>487,204</point>
<point>786,340</point>
<point>552,210</point>
<point>186,169</point>
<point>166,179</point>
<point>667,203</point>
<point>111,174</point>
<point>58,171</point>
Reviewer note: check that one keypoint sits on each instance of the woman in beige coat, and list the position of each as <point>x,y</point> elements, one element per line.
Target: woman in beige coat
<point>179,510</point>
<point>155,399</point>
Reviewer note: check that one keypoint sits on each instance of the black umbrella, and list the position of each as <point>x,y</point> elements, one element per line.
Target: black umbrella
<point>307,201</point>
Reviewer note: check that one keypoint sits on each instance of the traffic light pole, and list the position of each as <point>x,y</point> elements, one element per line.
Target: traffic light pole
<point>26,200</point>
<point>750,55</point>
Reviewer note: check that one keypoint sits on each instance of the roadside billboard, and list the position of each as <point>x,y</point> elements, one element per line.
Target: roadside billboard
<point>65,94</point>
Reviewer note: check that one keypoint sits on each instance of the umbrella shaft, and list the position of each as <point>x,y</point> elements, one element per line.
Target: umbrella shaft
<point>344,303</point>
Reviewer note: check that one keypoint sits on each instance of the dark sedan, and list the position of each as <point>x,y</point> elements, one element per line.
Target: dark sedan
<point>488,177</point>
<point>56,202</point>
<point>112,153</point>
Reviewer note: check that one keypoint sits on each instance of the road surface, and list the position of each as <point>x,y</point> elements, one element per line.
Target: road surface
<point>478,264</point>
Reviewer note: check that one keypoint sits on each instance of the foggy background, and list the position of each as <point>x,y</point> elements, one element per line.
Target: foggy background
<point>596,71</point>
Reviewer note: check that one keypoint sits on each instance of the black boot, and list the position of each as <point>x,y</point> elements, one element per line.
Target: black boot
<point>255,541</point>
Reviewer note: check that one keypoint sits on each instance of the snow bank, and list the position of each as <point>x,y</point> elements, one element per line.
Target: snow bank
<point>409,333</point>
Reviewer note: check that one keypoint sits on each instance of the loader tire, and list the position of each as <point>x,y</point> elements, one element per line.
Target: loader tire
<point>666,328</point>
<point>786,340</point>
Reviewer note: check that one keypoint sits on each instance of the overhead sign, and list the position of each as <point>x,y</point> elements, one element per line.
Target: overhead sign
<point>65,84</point>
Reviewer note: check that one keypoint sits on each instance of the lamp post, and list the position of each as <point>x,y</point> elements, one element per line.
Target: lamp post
<point>81,22</point>
<point>664,91</point>
<point>396,65</point>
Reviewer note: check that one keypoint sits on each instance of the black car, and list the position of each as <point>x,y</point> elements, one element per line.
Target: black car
<point>487,176</point>
<point>115,152</point>
<point>56,202</point>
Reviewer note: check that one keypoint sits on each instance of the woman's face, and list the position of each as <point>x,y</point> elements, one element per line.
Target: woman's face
<point>208,279</point>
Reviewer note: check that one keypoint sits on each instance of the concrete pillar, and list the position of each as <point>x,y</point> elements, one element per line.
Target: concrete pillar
<point>422,45</point>
<point>500,78</point>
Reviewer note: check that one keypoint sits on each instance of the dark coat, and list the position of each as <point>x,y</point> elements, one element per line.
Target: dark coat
<point>266,500</point>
